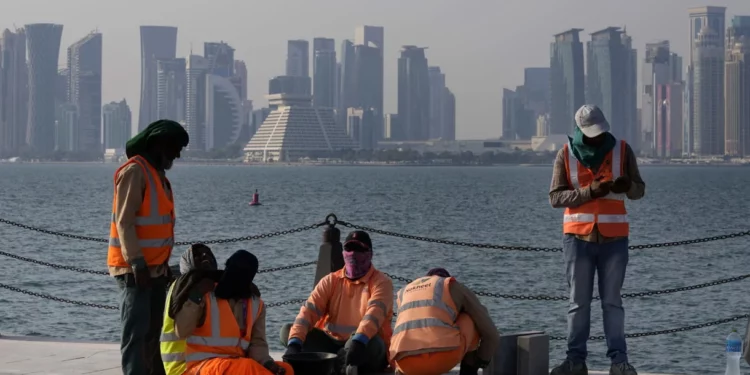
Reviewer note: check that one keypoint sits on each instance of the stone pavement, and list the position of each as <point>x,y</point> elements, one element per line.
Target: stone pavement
<point>38,355</point>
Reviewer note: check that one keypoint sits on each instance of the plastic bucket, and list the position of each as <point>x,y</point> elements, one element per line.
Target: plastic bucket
<point>311,363</point>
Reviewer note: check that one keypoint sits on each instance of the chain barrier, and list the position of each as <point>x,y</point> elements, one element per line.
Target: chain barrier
<point>667,331</point>
<point>530,248</point>
<point>182,243</point>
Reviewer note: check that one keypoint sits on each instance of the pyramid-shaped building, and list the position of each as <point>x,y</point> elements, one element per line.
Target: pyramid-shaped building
<point>294,129</point>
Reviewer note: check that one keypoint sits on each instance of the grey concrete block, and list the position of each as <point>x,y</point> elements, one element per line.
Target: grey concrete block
<point>533,355</point>
<point>506,355</point>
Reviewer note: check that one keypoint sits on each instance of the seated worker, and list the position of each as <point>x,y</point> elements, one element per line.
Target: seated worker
<point>439,324</point>
<point>197,262</point>
<point>349,313</point>
<point>225,325</point>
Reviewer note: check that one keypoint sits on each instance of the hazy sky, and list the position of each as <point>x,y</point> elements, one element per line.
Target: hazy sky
<point>481,45</point>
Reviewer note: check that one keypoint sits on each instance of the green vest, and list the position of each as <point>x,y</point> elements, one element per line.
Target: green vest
<point>172,348</point>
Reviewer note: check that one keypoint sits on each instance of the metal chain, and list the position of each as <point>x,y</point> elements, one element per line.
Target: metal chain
<point>298,265</point>
<point>182,243</point>
<point>667,331</point>
<point>290,302</point>
<point>529,248</point>
<point>58,299</point>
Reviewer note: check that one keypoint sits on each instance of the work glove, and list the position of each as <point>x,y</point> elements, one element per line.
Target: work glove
<point>274,368</point>
<point>141,273</point>
<point>621,185</point>
<point>468,369</point>
<point>200,289</point>
<point>356,354</point>
<point>293,348</point>
<point>599,188</point>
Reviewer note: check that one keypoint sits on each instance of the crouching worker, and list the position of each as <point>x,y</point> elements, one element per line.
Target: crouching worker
<point>348,313</point>
<point>198,269</point>
<point>225,326</point>
<point>439,324</point>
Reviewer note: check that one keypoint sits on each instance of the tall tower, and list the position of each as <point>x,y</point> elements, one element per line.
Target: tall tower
<point>737,97</point>
<point>220,57</point>
<point>157,43</point>
<point>437,99</point>
<point>171,86</point>
<point>298,58</point>
<point>197,68</point>
<point>85,90</point>
<point>708,93</point>
<point>413,95</point>
<point>324,72</point>
<point>566,80</point>
<point>14,92</point>
<point>43,45</point>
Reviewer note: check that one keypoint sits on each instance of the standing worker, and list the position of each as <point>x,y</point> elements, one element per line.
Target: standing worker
<point>440,324</point>
<point>141,239</point>
<point>592,176</point>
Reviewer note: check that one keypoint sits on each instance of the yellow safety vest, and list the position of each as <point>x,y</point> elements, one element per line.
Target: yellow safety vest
<point>172,348</point>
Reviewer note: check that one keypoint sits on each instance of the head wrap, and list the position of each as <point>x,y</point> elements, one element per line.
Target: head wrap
<point>357,254</point>
<point>237,280</point>
<point>166,131</point>
<point>442,272</point>
<point>188,261</point>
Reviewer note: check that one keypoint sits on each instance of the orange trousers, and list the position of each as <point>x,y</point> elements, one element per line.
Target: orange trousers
<point>234,366</point>
<point>438,363</point>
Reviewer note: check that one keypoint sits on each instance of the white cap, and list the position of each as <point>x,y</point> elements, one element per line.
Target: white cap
<point>591,121</point>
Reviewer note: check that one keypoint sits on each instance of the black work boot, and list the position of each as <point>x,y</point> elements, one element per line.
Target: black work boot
<point>339,368</point>
<point>622,368</point>
<point>570,368</point>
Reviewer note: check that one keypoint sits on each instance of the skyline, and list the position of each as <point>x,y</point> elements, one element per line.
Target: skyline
<point>476,71</point>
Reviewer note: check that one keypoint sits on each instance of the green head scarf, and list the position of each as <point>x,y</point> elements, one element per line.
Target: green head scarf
<point>591,156</point>
<point>166,131</point>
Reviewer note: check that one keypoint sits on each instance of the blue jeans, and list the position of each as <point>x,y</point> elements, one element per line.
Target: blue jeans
<point>609,261</point>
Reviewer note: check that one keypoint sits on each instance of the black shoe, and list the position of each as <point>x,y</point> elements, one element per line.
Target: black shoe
<point>569,368</point>
<point>622,368</point>
<point>339,368</point>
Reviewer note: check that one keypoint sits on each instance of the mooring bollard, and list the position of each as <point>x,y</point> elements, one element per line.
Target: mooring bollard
<point>505,361</point>
<point>330,256</point>
<point>533,355</point>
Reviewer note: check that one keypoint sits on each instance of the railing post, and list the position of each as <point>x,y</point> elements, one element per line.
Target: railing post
<point>330,257</point>
<point>505,361</point>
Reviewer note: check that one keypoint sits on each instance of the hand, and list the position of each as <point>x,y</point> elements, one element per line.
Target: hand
<point>200,289</point>
<point>293,349</point>
<point>275,369</point>
<point>599,188</point>
<point>142,277</point>
<point>621,185</point>
<point>356,354</point>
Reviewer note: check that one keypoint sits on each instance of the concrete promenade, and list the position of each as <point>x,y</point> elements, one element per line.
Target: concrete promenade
<point>37,355</point>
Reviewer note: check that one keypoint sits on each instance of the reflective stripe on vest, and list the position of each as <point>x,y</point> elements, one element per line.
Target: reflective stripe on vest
<point>436,301</point>
<point>154,217</point>
<point>216,340</point>
<point>171,347</point>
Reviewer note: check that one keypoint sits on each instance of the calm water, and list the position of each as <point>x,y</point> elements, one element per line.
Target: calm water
<point>505,205</point>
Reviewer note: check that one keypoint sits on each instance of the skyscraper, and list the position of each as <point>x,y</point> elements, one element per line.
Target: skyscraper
<point>157,43</point>
<point>197,68</point>
<point>220,58</point>
<point>14,92</point>
<point>292,85</point>
<point>537,85</point>
<point>223,121</point>
<point>298,58</point>
<point>710,17</point>
<point>413,95</point>
<point>609,80</point>
<point>566,81</point>
<point>737,99</point>
<point>708,93</point>
<point>85,90</point>
<point>437,92</point>
<point>738,27</point>
<point>118,121</point>
<point>370,36</point>
<point>324,72</point>
<point>171,87</point>
<point>629,95</point>
<point>240,70</point>
<point>373,37</point>
<point>449,116</point>
<point>346,82</point>
<point>43,45</point>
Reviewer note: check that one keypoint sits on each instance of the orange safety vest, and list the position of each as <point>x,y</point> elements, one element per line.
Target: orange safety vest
<point>426,317</point>
<point>220,336</point>
<point>607,213</point>
<point>154,222</point>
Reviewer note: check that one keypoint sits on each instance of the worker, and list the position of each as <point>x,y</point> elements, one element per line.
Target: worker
<point>439,324</point>
<point>348,313</point>
<point>592,176</point>
<point>224,324</point>
<point>196,264</point>
<point>141,239</point>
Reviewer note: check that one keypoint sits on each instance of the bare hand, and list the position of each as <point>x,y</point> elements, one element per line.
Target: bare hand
<point>600,188</point>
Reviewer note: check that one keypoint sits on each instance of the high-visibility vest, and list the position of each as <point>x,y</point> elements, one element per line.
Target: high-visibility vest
<point>426,317</point>
<point>154,222</point>
<point>172,348</point>
<point>220,336</point>
<point>607,213</point>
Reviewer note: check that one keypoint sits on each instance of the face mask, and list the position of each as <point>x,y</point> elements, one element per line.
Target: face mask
<point>357,263</point>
